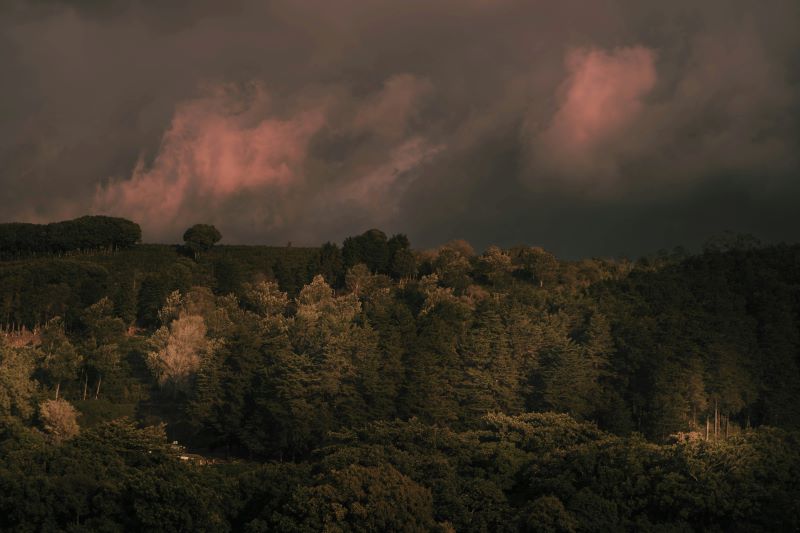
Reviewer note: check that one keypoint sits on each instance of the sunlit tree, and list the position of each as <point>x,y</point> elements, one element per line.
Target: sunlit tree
<point>16,386</point>
<point>178,350</point>
<point>59,419</point>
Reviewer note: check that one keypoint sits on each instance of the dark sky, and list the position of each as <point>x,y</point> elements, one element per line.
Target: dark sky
<point>590,128</point>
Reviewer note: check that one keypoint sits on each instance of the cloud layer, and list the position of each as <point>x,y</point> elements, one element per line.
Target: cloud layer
<point>599,101</point>
<point>218,147</point>
<point>614,126</point>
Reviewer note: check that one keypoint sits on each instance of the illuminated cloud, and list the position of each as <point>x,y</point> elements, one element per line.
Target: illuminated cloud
<point>389,112</point>
<point>218,146</point>
<point>579,126</point>
<point>376,187</point>
<point>600,99</point>
<point>229,157</point>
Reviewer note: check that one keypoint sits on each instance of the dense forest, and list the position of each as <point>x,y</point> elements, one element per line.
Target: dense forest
<point>85,234</point>
<point>371,386</point>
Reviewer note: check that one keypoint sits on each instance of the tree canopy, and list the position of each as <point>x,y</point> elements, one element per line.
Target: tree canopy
<point>87,233</point>
<point>201,237</point>
<point>372,386</point>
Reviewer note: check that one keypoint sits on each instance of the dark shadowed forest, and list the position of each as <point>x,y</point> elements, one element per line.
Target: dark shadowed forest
<point>372,386</point>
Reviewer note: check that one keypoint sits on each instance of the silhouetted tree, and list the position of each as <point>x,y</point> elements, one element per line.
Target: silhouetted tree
<point>200,238</point>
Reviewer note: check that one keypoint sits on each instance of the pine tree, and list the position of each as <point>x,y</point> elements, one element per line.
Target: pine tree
<point>491,375</point>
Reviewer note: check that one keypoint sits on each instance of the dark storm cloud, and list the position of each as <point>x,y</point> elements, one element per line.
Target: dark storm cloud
<point>587,127</point>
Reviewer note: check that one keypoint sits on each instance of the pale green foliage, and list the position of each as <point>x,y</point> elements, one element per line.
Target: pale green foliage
<point>496,258</point>
<point>106,356</point>
<point>101,345</point>
<point>61,359</point>
<point>265,298</point>
<point>103,324</point>
<point>357,277</point>
<point>526,340</point>
<point>178,350</point>
<point>197,301</point>
<point>460,246</point>
<point>316,302</point>
<point>495,264</point>
<point>172,307</point>
<point>343,350</point>
<point>491,375</point>
<point>200,301</point>
<point>367,286</point>
<point>434,294</point>
<point>476,294</point>
<point>322,316</point>
<point>16,386</point>
<point>102,309</point>
<point>219,316</point>
<point>453,269</point>
<point>337,368</point>
<point>564,373</point>
<point>315,293</point>
<point>539,264</point>
<point>60,419</point>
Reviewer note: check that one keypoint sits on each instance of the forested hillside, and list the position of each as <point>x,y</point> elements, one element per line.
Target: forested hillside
<point>85,234</point>
<point>375,387</point>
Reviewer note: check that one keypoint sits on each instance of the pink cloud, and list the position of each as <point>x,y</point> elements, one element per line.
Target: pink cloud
<point>376,186</point>
<point>599,100</point>
<point>232,158</point>
<point>217,146</point>
<point>389,111</point>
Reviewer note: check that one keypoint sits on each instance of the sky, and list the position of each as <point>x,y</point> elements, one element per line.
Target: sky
<point>602,128</point>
